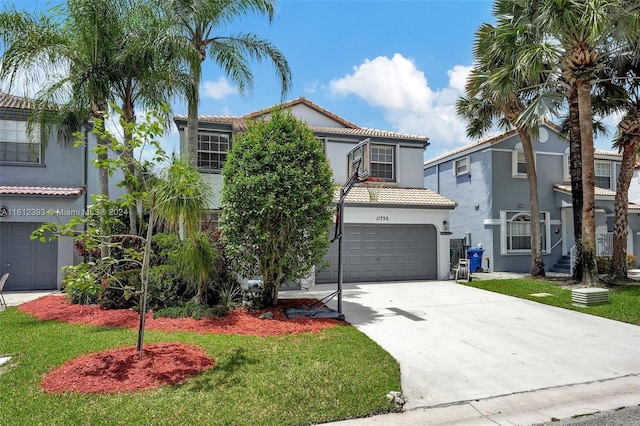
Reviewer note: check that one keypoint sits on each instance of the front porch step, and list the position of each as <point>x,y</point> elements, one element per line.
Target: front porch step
<point>563,265</point>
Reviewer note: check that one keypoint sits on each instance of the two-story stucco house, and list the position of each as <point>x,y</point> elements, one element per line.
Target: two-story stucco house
<point>488,180</point>
<point>35,178</point>
<point>399,233</point>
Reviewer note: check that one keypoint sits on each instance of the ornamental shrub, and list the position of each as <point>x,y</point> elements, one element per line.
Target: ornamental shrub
<point>81,284</point>
<point>276,197</point>
<point>164,288</point>
<point>120,290</point>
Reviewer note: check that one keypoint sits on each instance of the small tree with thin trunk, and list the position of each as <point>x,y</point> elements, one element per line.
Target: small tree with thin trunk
<point>276,201</point>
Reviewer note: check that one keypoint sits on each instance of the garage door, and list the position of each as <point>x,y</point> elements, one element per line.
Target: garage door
<point>383,253</point>
<point>32,265</point>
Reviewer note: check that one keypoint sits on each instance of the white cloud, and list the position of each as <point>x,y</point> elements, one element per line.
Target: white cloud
<point>389,83</point>
<point>458,77</point>
<point>410,104</point>
<point>218,89</point>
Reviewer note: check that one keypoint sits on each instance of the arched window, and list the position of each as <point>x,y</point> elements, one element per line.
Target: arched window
<point>516,232</point>
<point>519,232</point>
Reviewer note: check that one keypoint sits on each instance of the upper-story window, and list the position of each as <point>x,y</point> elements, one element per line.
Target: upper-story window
<point>461,166</point>
<point>518,163</point>
<point>15,144</point>
<point>603,174</point>
<point>382,159</point>
<point>212,150</point>
<point>379,160</point>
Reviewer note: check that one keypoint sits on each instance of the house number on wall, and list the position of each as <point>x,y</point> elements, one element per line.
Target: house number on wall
<point>382,218</point>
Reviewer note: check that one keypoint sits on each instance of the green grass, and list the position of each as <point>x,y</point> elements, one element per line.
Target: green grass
<point>285,380</point>
<point>625,299</point>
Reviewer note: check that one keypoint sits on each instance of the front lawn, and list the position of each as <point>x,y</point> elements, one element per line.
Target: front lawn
<point>625,299</point>
<point>294,379</point>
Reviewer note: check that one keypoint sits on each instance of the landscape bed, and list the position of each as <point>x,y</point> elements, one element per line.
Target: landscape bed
<point>278,379</point>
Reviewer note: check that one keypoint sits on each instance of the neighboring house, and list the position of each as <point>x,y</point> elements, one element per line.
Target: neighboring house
<point>399,233</point>
<point>34,179</point>
<point>488,180</point>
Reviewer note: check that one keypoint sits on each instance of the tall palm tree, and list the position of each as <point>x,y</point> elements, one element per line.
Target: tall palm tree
<point>73,46</point>
<point>622,94</point>
<point>148,77</point>
<point>198,24</point>
<point>587,35</point>
<point>497,91</point>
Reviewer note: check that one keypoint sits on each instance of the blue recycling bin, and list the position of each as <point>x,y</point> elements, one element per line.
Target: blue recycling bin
<point>475,259</point>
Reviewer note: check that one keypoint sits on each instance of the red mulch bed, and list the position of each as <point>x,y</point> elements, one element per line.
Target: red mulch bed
<point>238,321</point>
<point>120,370</point>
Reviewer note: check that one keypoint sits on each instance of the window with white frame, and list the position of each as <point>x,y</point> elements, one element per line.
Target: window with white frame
<point>518,166</point>
<point>212,150</point>
<point>566,171</point>
<point>603,174</point>
<point>382,161</point>
<point>461,166</point>
<point>516,232</point>
<point>15,144</point>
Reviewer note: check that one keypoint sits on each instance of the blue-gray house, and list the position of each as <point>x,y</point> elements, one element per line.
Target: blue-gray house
<point>35,178</point>
<point>488,181</point>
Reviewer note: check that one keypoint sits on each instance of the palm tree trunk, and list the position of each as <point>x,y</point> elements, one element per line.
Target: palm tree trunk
<point>537,258</point>
<point>575,171</point>
<point>192,115</point>
<point>619,267</point>
<point>128,116</point>
<point>590,270</point>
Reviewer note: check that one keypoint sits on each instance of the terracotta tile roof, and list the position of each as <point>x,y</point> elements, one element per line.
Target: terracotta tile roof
<point>14,102</point>
<point>398,196</point>
<point>362,131</point>
<point>303,101</point>
<point>239,124</point>
<point>48,191</point>
<point>600,192</point>
<point>605,153</point>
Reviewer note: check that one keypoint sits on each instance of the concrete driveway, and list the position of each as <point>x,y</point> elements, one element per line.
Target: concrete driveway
<point>457,344</point>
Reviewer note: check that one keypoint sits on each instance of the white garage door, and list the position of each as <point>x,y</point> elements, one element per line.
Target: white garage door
<point>383,253</point>
<point>32,265</point>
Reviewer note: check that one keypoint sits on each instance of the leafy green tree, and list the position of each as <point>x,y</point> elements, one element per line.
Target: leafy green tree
<point>141,135</point>
<point>276,200</point>
<point>197,35</point>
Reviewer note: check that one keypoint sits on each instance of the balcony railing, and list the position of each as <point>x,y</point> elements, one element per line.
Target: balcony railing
<point>604,244</point>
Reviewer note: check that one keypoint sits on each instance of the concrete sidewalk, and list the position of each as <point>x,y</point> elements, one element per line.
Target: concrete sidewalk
<point>15,298</point>
<point>472,357</point>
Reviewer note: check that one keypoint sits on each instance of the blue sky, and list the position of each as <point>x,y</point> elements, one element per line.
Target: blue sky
<point>383,64</point>
<point>391,65</point>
